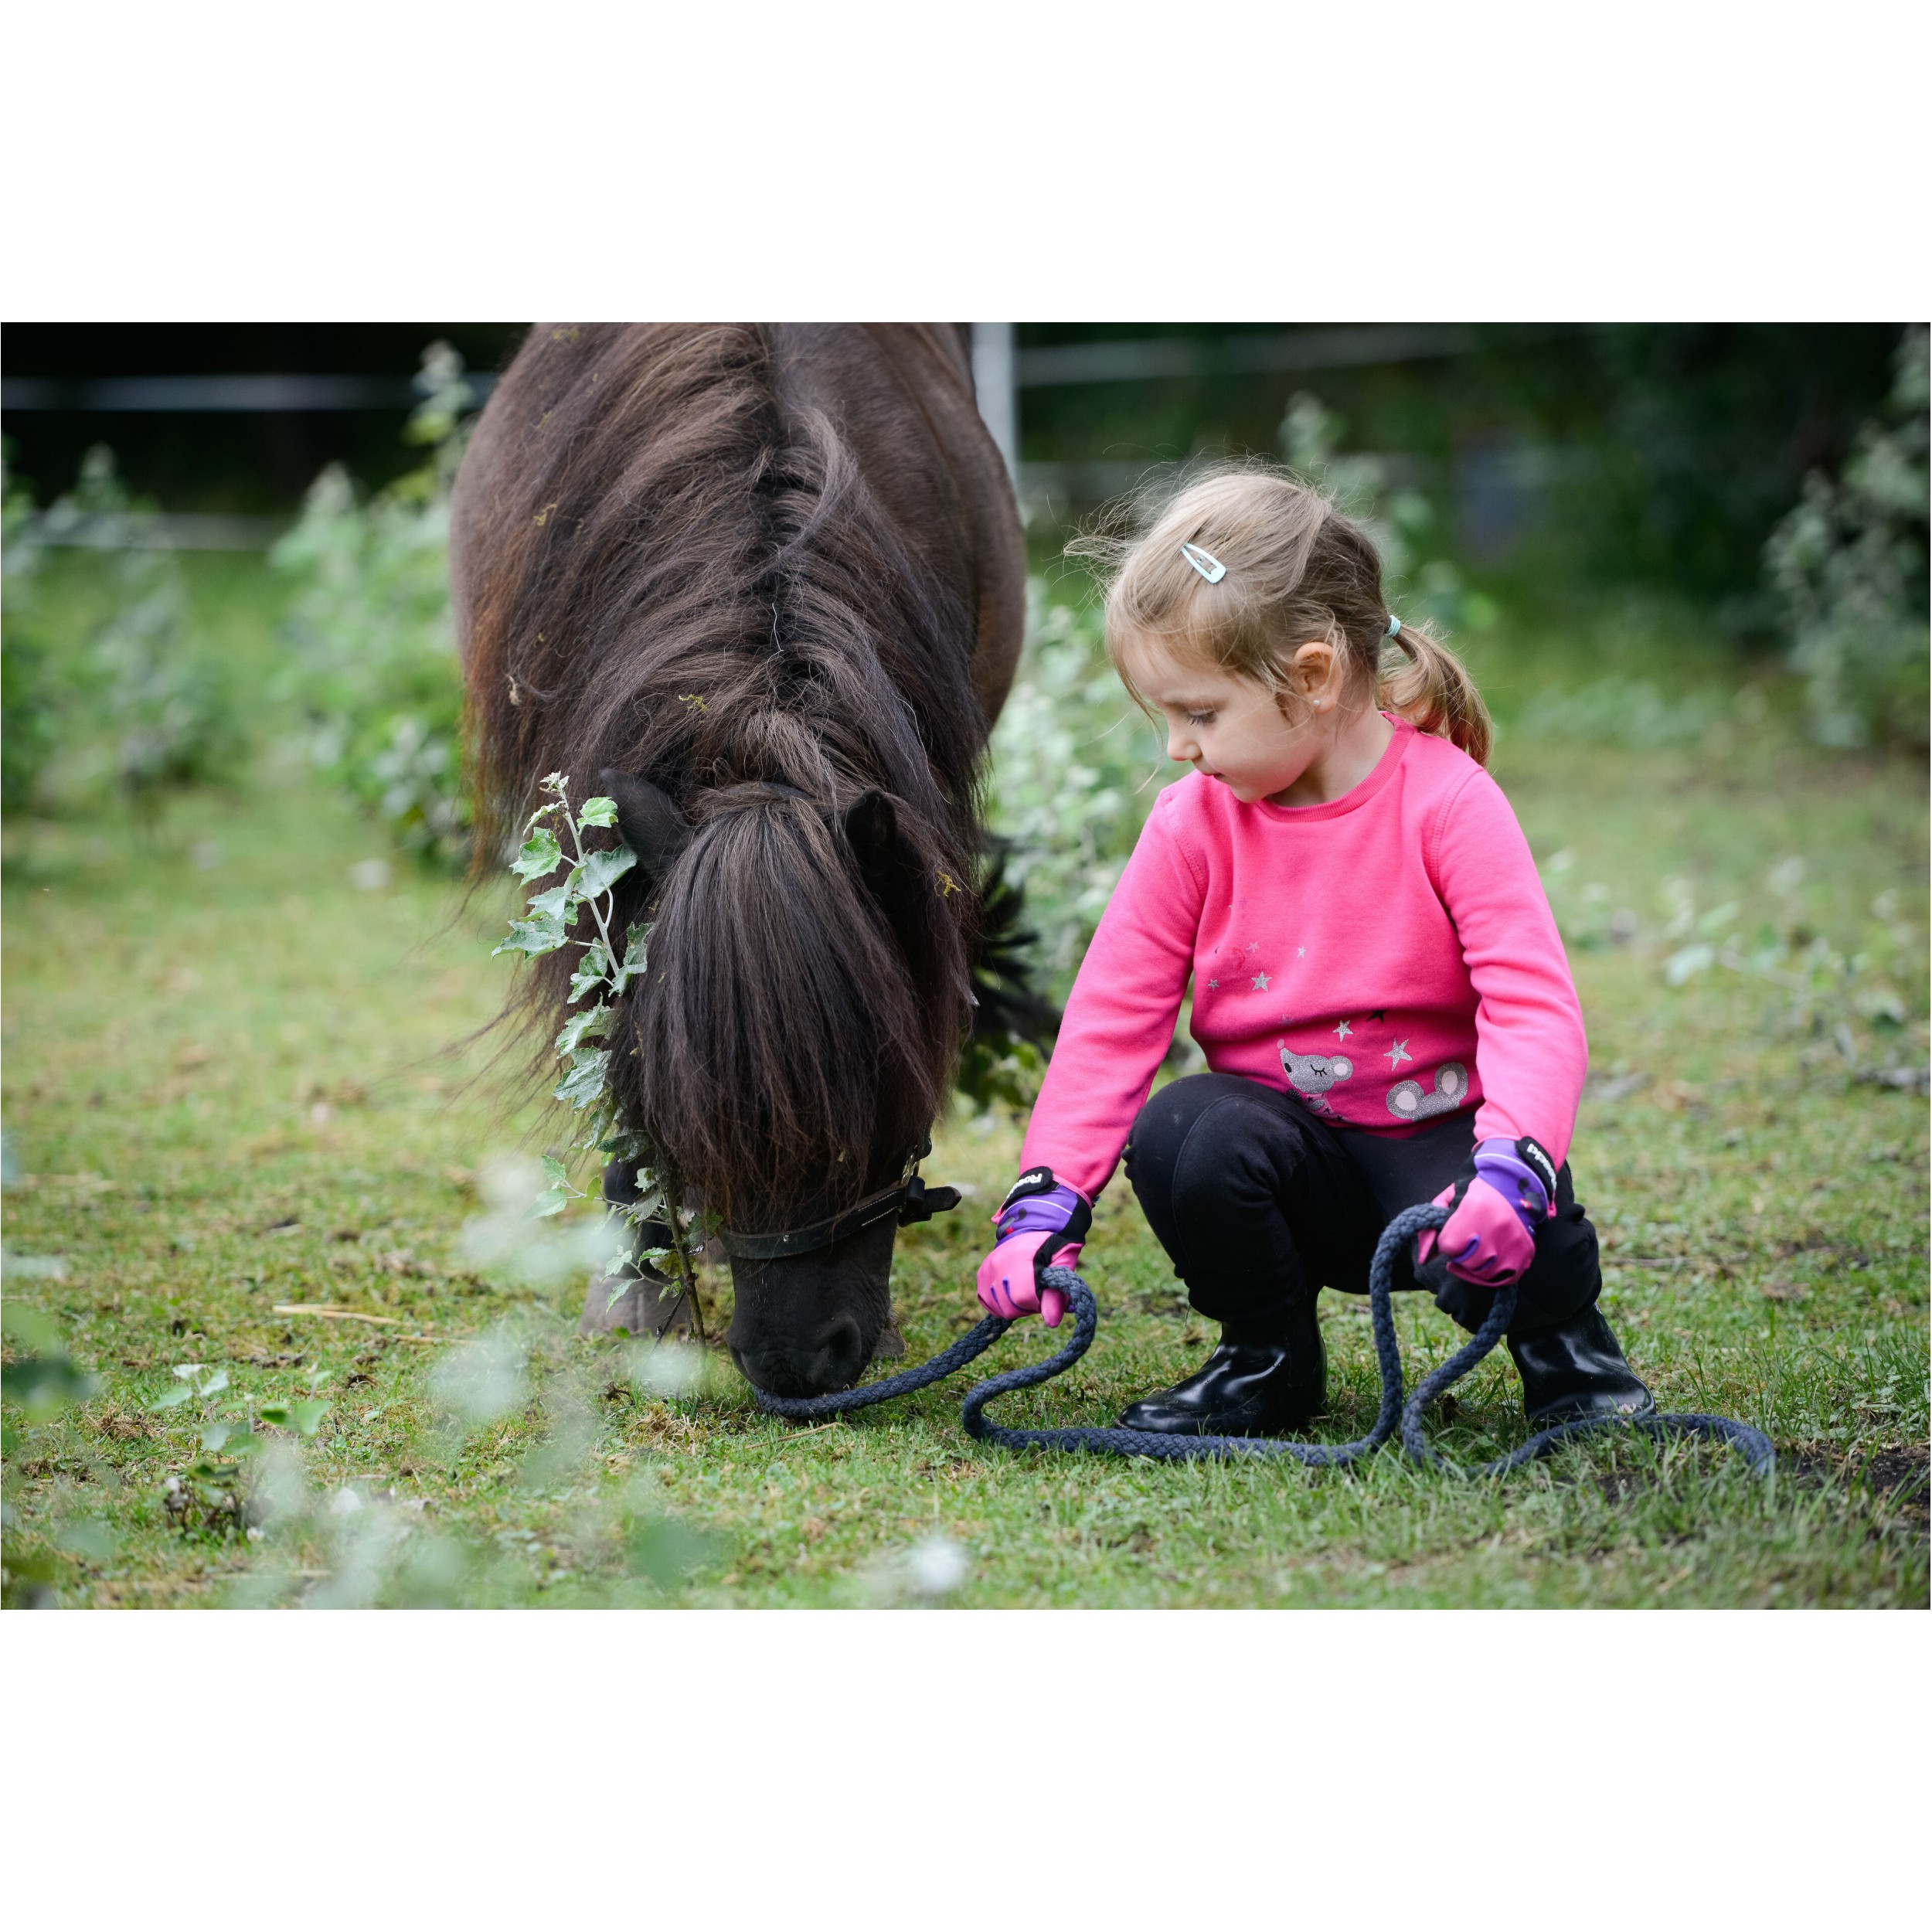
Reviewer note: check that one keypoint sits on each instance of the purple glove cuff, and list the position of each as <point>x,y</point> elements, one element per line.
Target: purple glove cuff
<point>1502,1165</point>
<point>1051,1212</point>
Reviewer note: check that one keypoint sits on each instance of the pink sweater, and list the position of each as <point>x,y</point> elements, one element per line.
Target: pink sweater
<point>1390,955</point>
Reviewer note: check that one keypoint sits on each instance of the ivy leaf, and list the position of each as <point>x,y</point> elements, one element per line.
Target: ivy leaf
<point>171,1398</point>
<point>634,958</point>
<point>592,971</point>
<point>580,1027</point>
<point>43,1384</point>
<point>555,1198</point>
<point>558,903</point>
<point>28,1329</point>
<point>533,936</point>
<point>304,1417</point>
<point>541,854</point>
<point>601,870</point>
<point>216,1382</point>
<point>598,811</point>
<point>1691,960</point>
<point>584,1082</point>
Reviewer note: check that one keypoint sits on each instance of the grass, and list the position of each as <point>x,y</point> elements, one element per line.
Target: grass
<point>234,1079</point>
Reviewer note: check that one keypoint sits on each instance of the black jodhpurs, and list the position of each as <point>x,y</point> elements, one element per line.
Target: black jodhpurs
<point>1258,1202</point>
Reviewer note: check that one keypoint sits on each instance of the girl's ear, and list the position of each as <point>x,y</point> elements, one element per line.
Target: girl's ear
<point>1313,672</point>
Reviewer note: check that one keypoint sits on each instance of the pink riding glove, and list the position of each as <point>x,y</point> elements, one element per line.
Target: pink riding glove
<point>1041,1224</point>
<point>1490,1237</point>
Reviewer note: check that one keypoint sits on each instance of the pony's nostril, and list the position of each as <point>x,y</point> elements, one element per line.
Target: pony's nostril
<point>841,1356</point>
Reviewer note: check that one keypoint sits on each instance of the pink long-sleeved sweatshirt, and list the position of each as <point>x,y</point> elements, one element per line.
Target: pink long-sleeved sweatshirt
<point>1390,956</point>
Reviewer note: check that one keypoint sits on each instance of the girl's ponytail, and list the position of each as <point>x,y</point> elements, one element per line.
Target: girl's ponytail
<point>1434,692</point>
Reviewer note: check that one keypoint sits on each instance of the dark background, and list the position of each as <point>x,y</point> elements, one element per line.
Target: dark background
<point>1656,453</point>
<point>245,462</point>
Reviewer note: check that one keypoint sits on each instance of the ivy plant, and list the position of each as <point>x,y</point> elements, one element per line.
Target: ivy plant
<point>556,916</point>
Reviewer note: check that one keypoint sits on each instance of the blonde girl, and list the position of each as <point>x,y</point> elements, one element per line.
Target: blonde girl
<point>1384,1004</point>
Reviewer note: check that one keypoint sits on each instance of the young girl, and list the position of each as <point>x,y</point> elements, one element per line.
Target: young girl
<point>1378,986</point>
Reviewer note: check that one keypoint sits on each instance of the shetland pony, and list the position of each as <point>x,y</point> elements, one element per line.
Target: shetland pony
<point>765,586</point>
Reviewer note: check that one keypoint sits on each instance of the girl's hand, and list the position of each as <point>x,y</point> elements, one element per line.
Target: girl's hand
<point>1041,1224</point>
<point>1496,1209</point>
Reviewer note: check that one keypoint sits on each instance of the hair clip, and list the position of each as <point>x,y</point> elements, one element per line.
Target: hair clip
<point>1394,629</point>
<point>1211,568</point>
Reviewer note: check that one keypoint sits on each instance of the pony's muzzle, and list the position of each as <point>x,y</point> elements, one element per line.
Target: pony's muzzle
<point>806,1324</point>
<point>836,1362</point>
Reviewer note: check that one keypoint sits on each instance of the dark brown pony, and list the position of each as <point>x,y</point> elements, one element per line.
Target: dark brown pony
<point>765,585</point>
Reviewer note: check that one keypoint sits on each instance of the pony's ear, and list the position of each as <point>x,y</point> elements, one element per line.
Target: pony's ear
<point>650,824</point>
<point>887,861</point>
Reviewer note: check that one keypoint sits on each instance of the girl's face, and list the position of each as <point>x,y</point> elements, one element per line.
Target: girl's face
<point>1228,727</point>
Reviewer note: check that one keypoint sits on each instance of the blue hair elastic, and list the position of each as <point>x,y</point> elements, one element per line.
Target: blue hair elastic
<point>1394,629</point>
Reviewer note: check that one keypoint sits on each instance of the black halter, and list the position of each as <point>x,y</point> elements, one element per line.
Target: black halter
<point>910,1200</point>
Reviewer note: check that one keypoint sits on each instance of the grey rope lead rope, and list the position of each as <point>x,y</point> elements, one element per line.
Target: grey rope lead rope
<point>1753,1444</point>
<point>1394,1413</point>
<point>1119,1442</point>
<point>975,1343</point>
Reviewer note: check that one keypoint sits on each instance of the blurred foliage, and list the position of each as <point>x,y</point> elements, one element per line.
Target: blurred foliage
<point>374,672</point>
<point>1076,768</point>
<point>1848,565</point>
<point>1859,995</point>
<point>1634,713</point>
<point>1691,440</point>
<point>27,698</point>
<point>1405,524</point>
<point>40,1378</point>
<point>138,703</point>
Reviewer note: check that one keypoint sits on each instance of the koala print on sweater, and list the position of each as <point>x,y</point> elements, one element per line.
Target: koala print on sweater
<point>1312,1074</point>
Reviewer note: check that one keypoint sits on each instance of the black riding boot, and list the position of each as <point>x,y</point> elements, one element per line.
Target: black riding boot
<point>1577,1370</point>
<point>1263,1380</point>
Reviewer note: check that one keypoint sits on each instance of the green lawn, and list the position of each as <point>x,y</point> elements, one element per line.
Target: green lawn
<point>234,1079</point>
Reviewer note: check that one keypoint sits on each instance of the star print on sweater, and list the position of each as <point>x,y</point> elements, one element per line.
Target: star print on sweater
<point>1343,1030</point>
<point>1398,1054</point>
<point>1261,982</point>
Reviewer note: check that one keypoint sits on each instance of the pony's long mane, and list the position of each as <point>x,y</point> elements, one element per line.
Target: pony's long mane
<point>670,563</point>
